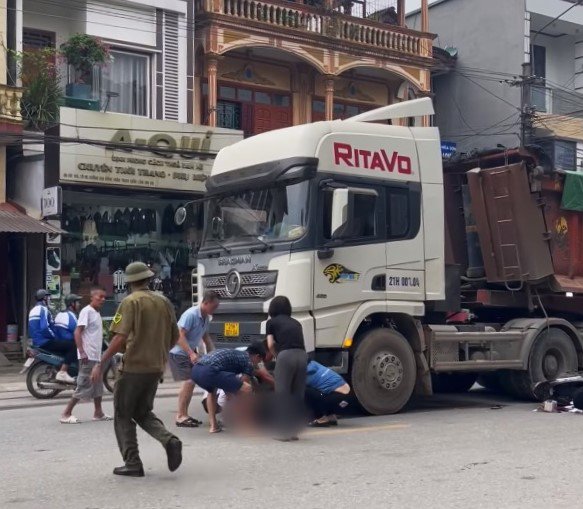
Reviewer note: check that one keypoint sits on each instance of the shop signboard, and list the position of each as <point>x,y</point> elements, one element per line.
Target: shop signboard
<point>129,151</point>
<point>51,201</point>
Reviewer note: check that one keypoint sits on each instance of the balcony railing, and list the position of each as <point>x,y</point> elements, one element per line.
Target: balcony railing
<point>10,104</point>
<point>329,23</point>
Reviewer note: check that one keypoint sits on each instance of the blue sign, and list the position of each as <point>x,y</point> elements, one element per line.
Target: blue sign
<point>448,149</point>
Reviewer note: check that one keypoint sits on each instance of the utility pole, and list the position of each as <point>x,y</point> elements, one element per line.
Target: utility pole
<point>526,110</point>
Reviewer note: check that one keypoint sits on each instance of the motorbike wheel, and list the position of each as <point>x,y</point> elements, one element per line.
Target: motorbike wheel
<point>41,372</point>
<point>110,376</point>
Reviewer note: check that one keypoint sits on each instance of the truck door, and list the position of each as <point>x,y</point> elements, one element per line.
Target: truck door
<point>351,258</point>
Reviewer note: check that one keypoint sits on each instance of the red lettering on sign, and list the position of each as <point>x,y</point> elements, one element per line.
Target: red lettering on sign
<point>342,152</point>
<point>372,160</point>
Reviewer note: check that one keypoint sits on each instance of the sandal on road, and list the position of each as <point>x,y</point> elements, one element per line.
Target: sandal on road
<point>104,417</point>
<point>189,422</point>
<point>69,420</point>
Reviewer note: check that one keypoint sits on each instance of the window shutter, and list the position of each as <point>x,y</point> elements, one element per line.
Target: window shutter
<point>171,89</point>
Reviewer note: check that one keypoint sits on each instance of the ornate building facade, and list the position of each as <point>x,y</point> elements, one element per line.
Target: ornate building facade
<point>266,64</point>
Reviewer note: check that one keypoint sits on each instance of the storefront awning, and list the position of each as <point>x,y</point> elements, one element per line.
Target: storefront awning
<point>14,221</point>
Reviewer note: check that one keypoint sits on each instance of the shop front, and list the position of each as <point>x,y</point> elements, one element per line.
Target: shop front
<point>121,186</point>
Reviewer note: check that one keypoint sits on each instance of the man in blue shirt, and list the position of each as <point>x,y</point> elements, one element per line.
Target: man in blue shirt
<point>193,331</point>
<point>66,321</point>
<point>326,392</point>
<point>41,330</point>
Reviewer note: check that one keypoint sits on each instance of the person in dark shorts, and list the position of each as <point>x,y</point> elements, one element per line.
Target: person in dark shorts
<point>89,340</point>
<point>285,339</point>
<point>230,370</point>
<point>193,332</point>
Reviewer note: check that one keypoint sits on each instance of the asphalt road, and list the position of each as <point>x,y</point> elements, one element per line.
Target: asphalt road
<point>454,452</point>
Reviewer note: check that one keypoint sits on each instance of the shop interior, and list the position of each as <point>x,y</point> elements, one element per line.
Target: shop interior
<point>108,231</point>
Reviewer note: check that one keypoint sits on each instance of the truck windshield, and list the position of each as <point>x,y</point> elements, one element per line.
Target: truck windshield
<point>274,214</point>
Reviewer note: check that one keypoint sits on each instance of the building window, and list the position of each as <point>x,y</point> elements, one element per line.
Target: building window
<point>128,74</point>
<point>229,115</point>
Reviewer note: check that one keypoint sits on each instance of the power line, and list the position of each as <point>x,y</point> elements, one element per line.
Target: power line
<point>486,90</point>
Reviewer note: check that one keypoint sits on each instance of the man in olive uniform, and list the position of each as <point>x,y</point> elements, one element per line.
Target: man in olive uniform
<point>145,329</point>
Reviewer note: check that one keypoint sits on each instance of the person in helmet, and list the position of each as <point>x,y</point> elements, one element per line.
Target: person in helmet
<point>66,321</point>
<point>41,330</point>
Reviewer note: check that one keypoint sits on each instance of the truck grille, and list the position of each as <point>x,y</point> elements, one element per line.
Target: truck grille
<point>254,285</point>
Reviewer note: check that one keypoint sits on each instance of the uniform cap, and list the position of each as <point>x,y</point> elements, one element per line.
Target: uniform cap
<point>137,271</point>
<point>72,297</point>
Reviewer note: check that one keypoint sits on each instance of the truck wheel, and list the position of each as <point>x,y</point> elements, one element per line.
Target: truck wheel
<point>552,355</point>
<point>452,382</point>
<point>383,371</point>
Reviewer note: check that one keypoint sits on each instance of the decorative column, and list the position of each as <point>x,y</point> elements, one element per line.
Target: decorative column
<point>401,12</point>
<point>212,65</point>
<point>329,100</point>
<point>424,16</point>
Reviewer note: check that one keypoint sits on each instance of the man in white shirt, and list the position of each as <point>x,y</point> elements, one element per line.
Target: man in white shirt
<point>89,340</point>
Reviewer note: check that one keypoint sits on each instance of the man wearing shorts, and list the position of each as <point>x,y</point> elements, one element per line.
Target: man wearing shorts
<point>193,331</point>
<point>230,371</point>
<point>89,340</point>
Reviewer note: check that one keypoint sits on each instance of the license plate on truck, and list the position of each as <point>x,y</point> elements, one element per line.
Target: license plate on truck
<point>231,330</point>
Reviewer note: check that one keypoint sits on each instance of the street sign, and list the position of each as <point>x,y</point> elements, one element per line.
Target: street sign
<point>448,149</point>
<point>51,201</point>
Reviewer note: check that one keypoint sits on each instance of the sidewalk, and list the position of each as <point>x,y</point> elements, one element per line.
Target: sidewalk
<point>14,394</point>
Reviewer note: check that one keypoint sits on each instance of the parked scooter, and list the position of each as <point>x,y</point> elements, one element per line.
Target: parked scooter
<point>41,369</point>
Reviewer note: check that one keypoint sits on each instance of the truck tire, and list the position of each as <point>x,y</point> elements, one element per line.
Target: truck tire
<point>383,371</point>
<point>553,354</point>
<point>451,383</point>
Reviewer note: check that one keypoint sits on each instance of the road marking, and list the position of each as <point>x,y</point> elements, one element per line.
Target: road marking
<point>356,430</point>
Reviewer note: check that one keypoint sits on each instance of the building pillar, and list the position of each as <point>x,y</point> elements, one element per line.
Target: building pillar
<point>401,12</point>
<point>329,100</point>
<point>302,91</point>
<point>424,16</point>
<point>212,69</point>
<point>579,66</point>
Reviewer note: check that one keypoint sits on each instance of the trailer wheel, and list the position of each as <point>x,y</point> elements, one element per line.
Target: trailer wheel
<point>383,371</point>
<point>451,383</point>
<point>552,355</point>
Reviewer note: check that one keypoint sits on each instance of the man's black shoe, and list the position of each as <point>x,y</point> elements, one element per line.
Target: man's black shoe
<point>129,471</point>
<point>174,453</point>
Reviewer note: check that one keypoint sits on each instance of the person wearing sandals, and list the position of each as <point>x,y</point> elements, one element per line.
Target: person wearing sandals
<point>326,392</point>
<point>193,331</point>
<point>89,340</point>
<point>285,339</point>
<point>231,370</point>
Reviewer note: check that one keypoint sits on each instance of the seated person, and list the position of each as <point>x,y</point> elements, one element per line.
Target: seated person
<point>231,371</point>
<point>326,392</point>
<point>41,330</point>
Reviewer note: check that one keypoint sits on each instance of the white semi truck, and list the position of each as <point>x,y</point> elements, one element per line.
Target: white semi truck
<point>349,220</point>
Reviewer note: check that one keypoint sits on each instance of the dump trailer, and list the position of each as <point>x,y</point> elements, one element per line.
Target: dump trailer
<point>407,277</point>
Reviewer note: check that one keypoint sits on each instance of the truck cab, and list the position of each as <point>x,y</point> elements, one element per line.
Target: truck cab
<point>345,218</point>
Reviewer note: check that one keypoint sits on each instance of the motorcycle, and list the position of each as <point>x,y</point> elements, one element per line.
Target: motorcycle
<point>41,368</point>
